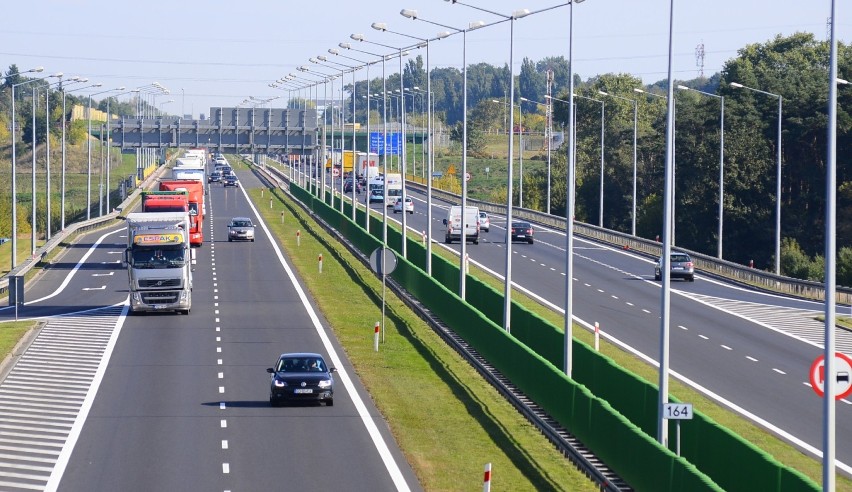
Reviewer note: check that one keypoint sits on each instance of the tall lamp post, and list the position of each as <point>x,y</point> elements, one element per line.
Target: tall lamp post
<point>89,152</point>
<point>14,241</point>
<point>721,162</point>
<point>64,125</point>
<point>549,134</point>
<point>777,176</point>
<point>520,147</point>
<point>568,348</point>
<point>635,113</point>
<point>601,204</point>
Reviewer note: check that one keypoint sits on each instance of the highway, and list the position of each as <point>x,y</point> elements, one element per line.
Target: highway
<point>181,402</point>
<point>748,350</point>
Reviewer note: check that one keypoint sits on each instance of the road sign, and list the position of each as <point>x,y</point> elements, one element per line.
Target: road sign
<point>843,368</point>
<point>376,261</point>
<point>335,172</point>
<point>467,176</point>
<point>677,411</point>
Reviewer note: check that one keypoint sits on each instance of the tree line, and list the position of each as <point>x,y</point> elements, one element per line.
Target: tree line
<point>794,67</point>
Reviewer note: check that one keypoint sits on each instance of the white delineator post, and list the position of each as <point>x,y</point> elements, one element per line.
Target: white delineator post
<point>298,238</point>
<point>597,337</point>
<point>486,480</point>
<point>319,261</point>
<point>376,337</point>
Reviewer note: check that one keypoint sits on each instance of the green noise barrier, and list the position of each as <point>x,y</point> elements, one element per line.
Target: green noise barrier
<point>609,409</point>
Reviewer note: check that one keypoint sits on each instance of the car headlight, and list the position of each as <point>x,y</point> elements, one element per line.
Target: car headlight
<point>279,384</point>
<point>326,383</point>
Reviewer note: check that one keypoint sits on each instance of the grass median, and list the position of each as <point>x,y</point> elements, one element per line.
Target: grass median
<point>447,420</point>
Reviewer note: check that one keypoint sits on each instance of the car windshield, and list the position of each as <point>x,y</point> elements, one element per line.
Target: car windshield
<point>241,223</point>
<point>300,364</point>
<point>679,258</point>
<point>520,225</point>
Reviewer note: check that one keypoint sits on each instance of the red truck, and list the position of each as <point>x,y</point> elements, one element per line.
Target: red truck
<point>165,201</point>
<point>195,191</point>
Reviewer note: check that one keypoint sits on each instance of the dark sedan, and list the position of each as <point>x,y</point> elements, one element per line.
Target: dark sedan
<point>301,377</point>
<point>522,231</point>
<point>230,180</point>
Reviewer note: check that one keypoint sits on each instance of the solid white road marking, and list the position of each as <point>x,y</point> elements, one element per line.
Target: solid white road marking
<point>110,274</point>
<point>102,287</point>
<point>368,421</point>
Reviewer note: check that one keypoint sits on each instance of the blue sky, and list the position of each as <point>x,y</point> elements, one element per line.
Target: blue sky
<point>218,53</point>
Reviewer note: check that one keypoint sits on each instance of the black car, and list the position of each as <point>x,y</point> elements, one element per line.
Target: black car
<point>301,377</point>
<point>214,177</point>
<point>522,231</point>
<point>230,180</point>
<point>347,186</point>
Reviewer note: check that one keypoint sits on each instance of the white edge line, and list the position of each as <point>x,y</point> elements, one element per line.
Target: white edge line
<point>372,429</point>
<point>82,415</point>
<point>710,394</point>
<point>72,272</point>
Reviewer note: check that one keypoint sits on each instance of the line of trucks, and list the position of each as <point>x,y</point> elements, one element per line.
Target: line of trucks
<point>160,238</point>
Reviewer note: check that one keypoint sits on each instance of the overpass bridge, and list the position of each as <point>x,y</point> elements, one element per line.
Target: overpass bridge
<point>229,130</point>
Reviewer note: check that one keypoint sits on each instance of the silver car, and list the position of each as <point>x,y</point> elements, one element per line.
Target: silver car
<point>680,266</point>
<point>484,222</point>
<point>241,229</point>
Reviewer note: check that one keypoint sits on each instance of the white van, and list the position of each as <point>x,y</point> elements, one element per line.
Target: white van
<point>453,224</point>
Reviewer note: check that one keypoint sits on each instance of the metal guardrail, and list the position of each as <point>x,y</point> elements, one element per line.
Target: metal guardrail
<point>704,263</point>
<point>77,227</point>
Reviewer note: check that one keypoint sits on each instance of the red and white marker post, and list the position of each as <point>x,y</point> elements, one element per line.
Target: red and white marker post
<point>319,260</point>
<point>486,480</point>
<point>376,337</point>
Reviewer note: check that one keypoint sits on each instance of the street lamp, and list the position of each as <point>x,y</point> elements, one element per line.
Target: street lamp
<point>633,215</point>
<point>735,85</point>
<point>520,147</point>
<point>160,106</point>
<point>64,125</point>
<point>721,162</point>
<point>89,152</point>
<point>549,135</point>
<point>601,204</point>
<point>14,166</point>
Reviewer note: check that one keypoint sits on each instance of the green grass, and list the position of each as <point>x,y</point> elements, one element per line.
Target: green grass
<point>448,421</point>
<point>11,333</point>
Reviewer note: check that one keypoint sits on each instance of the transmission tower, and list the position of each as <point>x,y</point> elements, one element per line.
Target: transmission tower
<point>699,59</point>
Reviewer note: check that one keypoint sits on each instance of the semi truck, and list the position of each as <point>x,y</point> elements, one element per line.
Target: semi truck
<point>165,201</point>
<point>195,194</point>
<point>158,259</point>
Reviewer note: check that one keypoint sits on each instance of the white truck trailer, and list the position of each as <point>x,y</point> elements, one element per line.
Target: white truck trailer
<point>158,259</point>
